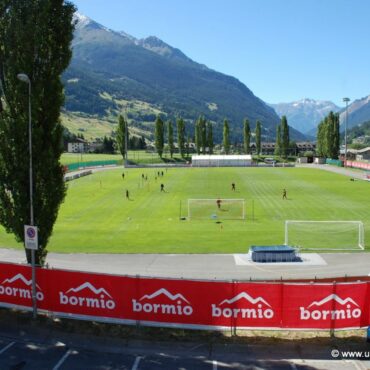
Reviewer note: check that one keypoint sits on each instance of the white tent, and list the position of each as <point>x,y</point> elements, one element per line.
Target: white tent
<point>221,160</point>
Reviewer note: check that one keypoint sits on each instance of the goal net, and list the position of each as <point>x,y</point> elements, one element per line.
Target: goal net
<point>222,209</point>
<point>333,235</point>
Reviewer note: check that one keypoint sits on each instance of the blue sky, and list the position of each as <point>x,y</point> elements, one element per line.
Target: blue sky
<point>283,50</point>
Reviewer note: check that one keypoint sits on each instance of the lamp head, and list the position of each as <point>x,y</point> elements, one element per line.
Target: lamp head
<point>23,77</point>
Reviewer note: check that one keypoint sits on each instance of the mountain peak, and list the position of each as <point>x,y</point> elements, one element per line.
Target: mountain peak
<point>81,20</point>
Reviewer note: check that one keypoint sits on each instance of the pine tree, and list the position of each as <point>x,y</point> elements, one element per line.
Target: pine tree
<point>159,136</point>
<point>258,137</point>
<point>170,138</point>
<point>35,39</point>
<point>181,136</point>
<point>121,136</point>
<point>226,140</point>
<point>247,137</point>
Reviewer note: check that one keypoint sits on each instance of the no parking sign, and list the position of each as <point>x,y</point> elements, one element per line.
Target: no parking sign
<point>31,237</point>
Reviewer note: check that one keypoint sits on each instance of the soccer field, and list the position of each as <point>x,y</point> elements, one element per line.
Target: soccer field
<point>96,217</point>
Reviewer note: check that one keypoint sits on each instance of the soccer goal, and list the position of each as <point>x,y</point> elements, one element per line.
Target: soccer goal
<point>333,235</point>
<point>218,209</point>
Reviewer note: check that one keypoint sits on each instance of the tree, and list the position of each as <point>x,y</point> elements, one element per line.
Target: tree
<point>170,138</point>
<point>159,136</point>
<point>35,39</point>
<point>197,135</point>
<point>210,137</point>
<point>203,134</point>
<point>226,141</point>
<point>121,133</point>
<point>328,137</point>
<point>108,145</point>
<point>258,137</point>
<point>247,137</point>
<point>181,136</point>
<point>284,137</point>
<point>278,141</point>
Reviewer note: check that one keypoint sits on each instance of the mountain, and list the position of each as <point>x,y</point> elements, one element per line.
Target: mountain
<point>304,115</point>
<point>112,72</point>
<point>358,112</point>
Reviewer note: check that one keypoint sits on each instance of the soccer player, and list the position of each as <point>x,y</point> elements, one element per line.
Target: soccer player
<point>233,186</point>
<point>123,175</point>
<point>127,194</point>
<point>162,187</point>
<point>284,194</point>
<point>218,202</point>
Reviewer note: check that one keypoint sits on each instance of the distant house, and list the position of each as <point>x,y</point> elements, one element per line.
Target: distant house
<point>78,146</point>
<point>363,154</point>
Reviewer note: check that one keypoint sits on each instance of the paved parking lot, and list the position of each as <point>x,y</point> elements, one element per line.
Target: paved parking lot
<point>61,351</point>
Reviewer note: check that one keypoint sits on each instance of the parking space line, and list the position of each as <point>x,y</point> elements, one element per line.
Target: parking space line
<point>214,362</point>
<point>60,362</point>
<point>6,347</point>
<point>136,363</point>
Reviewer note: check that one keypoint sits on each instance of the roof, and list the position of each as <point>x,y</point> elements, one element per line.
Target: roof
<point>367,149</point>
<point>272,248</point>
<point>215,157</point>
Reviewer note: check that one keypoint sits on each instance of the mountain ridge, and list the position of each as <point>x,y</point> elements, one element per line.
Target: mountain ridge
<point>150,70</point>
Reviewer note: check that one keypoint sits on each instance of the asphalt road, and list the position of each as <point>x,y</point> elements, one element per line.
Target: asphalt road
<point>35,348</point>
<point>203,266</point>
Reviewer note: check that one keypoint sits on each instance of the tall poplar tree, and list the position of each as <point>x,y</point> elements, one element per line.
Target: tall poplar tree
<point>247,137</point>
<point>35,39</point>
<point>181,136</point>
<point>170,138</point>
<point>284,137</point>
<point>159,136</point>
<point>121,136</point>
<point>226,140</point>
<point>210,137</point>
<point>203,134</point>
<point>258,137</point>
<point>278,141</point>
<point>197,135</point>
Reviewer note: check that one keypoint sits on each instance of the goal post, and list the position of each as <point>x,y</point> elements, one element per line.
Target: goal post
<point>222,209</point>
<point>325,235</point>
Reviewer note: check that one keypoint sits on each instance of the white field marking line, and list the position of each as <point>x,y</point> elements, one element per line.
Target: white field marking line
<point>60,362</point>
<point>136,363</point>
<point>214,362</point>
<point>7,347</point>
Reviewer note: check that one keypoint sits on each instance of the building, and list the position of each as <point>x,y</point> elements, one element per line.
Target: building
<point>78,146</point>
<point>229,160</point>
<point>363,154</point>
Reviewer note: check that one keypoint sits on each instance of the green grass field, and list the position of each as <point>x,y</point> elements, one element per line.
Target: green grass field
<point>96,217</point>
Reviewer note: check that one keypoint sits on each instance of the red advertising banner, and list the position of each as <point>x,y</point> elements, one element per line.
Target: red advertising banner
<point>188,303</point>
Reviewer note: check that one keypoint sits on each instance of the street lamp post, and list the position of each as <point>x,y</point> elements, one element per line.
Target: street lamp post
<point>24,78</point>
<point>346,100</point>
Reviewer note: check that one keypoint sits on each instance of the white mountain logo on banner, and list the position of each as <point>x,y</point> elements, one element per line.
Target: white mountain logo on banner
<point>180,306</point>
<point>333,297</point>
<point>91,287</point>
<point>166,293</point>
<point>256,312</point>
<point>98,301</point>
<point>7,290</point>
<point>347,311</point>
<point>246,296</point>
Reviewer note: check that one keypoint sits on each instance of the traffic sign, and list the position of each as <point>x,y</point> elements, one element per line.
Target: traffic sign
<point>31,237</point>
